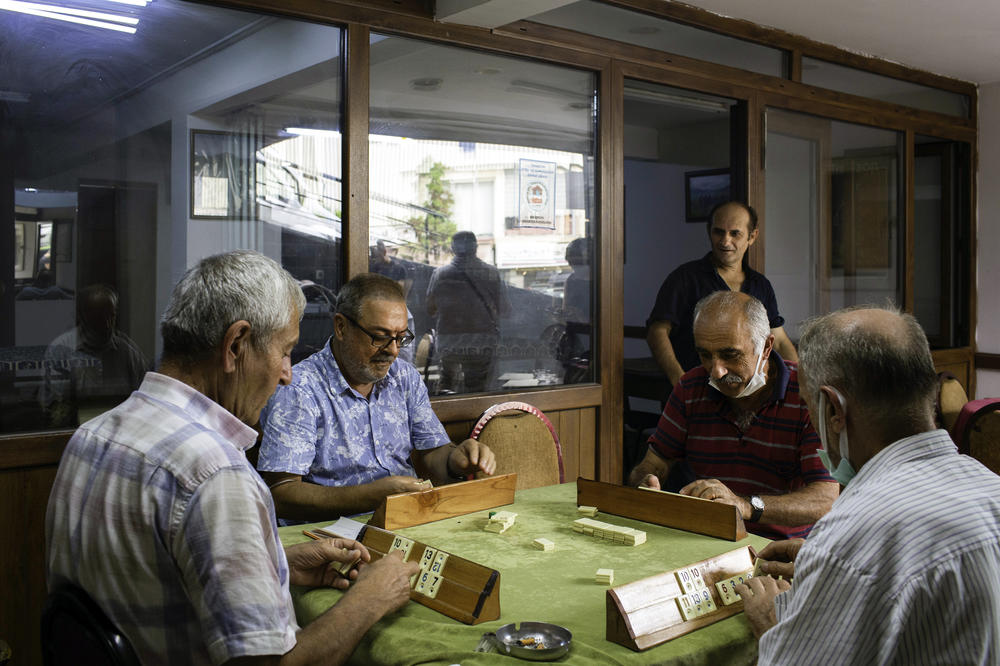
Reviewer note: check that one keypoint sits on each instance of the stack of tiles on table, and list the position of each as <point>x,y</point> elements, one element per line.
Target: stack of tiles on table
<point>696,600</point>
<point>616,533</point>
<point>428,580</point>
<point>500,521</point>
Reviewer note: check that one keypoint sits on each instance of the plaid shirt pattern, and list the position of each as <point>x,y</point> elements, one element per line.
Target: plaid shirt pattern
<point>157,514</point>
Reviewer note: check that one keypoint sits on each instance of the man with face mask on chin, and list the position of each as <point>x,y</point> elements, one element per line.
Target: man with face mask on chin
<point>735,429</point>
<point>905,568</point>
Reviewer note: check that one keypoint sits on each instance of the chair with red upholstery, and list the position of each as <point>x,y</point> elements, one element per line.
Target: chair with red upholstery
<point>977,431</point>
<point>524,441</point>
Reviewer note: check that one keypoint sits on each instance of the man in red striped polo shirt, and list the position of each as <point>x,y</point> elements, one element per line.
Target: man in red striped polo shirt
<point>735,430</point>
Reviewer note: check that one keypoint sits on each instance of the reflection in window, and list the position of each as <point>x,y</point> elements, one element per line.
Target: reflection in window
<point>832,214</point>
<point>482,206</point>
<point>140,157</point>
<point>631,27</point>
<point>941,240</point>
<point>876,86</point>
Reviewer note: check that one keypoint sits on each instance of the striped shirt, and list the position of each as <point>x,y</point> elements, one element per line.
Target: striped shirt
<point>775,455</point>
<point>157,514</point>
<point>905,569</point>
<point>322,429</point>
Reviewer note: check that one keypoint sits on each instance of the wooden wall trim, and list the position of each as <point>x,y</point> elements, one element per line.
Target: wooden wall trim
<point>908,219</point>
<point>611,258</point>
<point>986,361</point>
<point>340,12</point>
<point>32,450</point>
<point>465,408</point>
<point>354,185</point>
<point>641,62</point>
<point>743,29</point>
<point>946,356</point>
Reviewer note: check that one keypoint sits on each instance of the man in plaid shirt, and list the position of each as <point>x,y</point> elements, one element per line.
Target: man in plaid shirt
<point>157,514</point>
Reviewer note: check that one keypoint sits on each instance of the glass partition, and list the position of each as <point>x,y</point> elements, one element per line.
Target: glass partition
<point>483,206</point>
<point>631,27</point>
<point>134,146</point>
<point>876,86</point>
<point>941,241</point>
<point>833,226</point>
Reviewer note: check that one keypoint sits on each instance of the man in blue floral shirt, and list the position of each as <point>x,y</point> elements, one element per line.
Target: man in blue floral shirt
<point>355,424</point>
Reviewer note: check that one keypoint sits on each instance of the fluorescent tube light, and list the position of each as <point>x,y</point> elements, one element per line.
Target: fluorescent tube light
<point>135,3</point>
<point>78,16</point>
<point>309,131</point>
<point>664,97</point>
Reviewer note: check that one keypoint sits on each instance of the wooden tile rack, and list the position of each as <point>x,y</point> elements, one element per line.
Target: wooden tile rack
<point>648,612</point>
<point>681,512</point>
<point>455,499</point>
<point>459,588</point>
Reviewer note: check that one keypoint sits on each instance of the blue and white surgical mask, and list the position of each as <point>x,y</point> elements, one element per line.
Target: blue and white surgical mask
<point>757,380</point>
<point>844,471</point>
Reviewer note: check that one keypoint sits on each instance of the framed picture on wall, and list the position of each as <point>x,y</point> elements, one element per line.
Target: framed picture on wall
<point>703,191</point>
<point>221,176</point>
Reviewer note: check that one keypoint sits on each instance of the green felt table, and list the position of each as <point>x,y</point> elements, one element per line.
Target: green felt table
<point>556,586</point>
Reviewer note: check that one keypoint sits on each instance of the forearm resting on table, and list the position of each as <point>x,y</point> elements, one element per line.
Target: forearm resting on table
<point>800,507</point>
<point>650,464</point>
<point>329,639</point>
<point>296,499</point>
<point>658,339</point>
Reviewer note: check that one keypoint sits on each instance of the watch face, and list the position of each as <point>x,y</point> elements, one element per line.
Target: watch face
<point>756,502</point>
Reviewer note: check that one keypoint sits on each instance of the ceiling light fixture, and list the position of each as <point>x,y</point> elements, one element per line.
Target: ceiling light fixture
<point>663,97</point>
<point>79,16</point>
<point>533,87</point>
<point>14,96</point>
<point>134,3</point>
<point>427,83</point>
<point>310,131</point>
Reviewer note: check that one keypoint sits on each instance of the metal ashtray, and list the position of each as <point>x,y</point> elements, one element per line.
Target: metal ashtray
<point>534,641</point>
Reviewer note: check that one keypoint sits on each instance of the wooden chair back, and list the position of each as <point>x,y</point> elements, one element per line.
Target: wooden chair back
<point>951,398</point>
<point>524,442</point>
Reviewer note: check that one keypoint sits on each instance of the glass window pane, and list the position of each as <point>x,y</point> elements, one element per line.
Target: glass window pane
<point>483,207</point>
<point>131,157</point>
<point>859,82</point>
<point>595,18</point>
<point>832,214</point>
<point>677,168</point>
<point>941,240</point>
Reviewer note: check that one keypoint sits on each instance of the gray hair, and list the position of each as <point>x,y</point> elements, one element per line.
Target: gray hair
<point>889,373</point>
<point>753,312</point>
<point>365,287</point>
<point>221,290</point>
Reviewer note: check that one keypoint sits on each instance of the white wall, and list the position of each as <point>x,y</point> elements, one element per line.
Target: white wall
<point>657,239</point>
<point>988,237</point>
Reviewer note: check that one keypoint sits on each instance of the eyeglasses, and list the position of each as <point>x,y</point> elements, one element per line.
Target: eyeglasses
<point>383,341</point>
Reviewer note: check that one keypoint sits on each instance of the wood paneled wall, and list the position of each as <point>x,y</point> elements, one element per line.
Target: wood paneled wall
<point>27,471</point>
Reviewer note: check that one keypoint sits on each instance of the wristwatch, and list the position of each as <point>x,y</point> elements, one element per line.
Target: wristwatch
<point>757,506</point>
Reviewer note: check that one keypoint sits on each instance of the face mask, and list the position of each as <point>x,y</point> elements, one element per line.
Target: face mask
<point>758,380</point>
<point>844,471</point>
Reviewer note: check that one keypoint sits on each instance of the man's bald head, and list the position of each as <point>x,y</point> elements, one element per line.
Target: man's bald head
<point>878,358</point>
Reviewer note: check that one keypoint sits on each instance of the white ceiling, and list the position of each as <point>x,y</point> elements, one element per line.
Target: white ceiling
<point>960,39</point>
